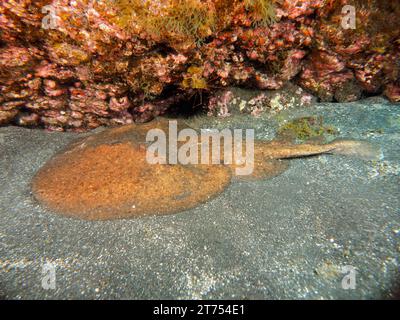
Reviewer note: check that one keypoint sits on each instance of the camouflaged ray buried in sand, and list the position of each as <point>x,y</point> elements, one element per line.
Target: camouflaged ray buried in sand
<point>106,175</point>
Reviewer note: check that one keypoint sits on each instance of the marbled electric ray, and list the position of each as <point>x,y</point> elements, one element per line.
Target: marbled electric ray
<point>106,175</point>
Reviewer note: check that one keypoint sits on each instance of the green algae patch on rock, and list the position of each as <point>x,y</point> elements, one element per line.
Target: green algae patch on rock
<point>306,128</point>
<point>106,176</point>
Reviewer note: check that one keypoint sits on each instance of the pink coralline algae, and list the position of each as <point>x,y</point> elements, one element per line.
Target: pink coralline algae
<point>345,62</point>
<point>393,92</point>
<point>220,104</point>
<point>76,65</point>
<point>325,73</point>
<point>298,9</point>
<point>256,102</point>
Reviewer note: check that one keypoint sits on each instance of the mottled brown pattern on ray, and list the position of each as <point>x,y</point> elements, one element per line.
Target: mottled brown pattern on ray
<point>106,175</point>
<point>115,181</point>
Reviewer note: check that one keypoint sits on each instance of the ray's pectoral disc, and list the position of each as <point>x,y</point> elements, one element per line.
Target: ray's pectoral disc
<point>107,176</point>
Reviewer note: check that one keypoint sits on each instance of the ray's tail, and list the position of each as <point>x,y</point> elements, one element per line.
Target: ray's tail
<point>355,148</point>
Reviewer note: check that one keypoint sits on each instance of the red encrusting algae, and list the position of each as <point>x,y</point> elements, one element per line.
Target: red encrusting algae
<point>81,64</point>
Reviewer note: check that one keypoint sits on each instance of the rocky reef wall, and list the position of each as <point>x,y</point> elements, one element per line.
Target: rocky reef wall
<point>78,64</point>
